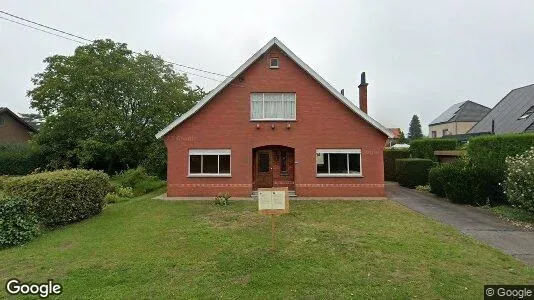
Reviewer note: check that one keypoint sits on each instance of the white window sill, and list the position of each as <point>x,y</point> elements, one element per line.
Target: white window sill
<point>274,67</point>
<point>340,175</point>
<point>273,120</point>
<point>209,175</point>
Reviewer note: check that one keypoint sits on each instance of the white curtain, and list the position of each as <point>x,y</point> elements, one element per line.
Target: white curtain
<point>274,105</point>
<point>257,106</point>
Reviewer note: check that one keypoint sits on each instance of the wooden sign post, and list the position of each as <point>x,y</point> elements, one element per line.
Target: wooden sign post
<point>273,202</point>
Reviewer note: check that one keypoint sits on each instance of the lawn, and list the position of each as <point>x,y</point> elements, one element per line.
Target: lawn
<point>514,214</point>
<point>148,248</point>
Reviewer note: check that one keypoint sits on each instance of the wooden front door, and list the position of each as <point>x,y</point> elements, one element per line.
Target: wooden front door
<point>264,169</point>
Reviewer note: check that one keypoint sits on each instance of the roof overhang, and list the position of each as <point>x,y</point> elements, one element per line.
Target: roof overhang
<point>299,62</point>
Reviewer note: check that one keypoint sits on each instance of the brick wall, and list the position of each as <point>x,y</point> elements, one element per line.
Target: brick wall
<point>322,122</point>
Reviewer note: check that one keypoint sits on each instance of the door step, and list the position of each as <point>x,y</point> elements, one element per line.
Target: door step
<point>254,195</point>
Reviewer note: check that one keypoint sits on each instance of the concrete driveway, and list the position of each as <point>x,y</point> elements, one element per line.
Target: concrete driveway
<point>475,222</point>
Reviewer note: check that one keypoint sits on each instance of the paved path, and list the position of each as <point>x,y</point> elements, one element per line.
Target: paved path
<point>475,222</point>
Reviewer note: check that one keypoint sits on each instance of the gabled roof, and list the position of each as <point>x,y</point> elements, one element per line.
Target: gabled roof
<point>467,111</point>
<point>507,113</point>
<point>249,62</point>
<point>19,119</point>
<point>396,132</point>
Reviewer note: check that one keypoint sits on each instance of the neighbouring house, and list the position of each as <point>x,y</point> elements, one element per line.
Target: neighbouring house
<point>513,114</point>
<point>13,129</point>
<point>276,123</point>
<point>457,119</point>
<point>396,136</point>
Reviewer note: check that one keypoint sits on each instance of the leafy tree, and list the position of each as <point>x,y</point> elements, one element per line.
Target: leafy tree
<point>104,104</point>
<point>33,119</point>
<point>415,132</point>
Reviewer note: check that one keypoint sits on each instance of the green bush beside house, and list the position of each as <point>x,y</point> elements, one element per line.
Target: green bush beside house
<point>411,172</point>
<point>424,148</point>
<point>487,155</point>
<point>61,197</point>
<point>390,155</point>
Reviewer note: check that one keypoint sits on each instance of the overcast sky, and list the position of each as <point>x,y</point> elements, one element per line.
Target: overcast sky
<point>420,56</point>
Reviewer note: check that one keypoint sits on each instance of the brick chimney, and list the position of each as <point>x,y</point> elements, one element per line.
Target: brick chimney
<point>363,93</point>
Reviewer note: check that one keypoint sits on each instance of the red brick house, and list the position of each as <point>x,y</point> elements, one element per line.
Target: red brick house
<point>275,122</point>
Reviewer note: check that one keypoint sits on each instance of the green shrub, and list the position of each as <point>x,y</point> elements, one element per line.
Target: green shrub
<point>138,180</point>
<point>61,197</point>
<point>487,155</point>
<point>459,182</point>
<point>424,148</point>
<point>390,155</point>
<point>18,224</point>
<point>411,172</point>
<point>20,159</point>
<point>519,179</point>
<point>125,192</point>
<point>435,180</point>
<point>112,198</point>
<point>155,162</point>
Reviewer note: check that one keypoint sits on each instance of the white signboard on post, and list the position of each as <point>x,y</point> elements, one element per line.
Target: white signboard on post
<point>273,201</point>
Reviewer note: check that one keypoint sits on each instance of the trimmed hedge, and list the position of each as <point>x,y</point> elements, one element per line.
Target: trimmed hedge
<point>19,159</point>
<point>61,197</point>
<point>436,180</point>
<point>459,182</point>
<point>487,155</point>
<point>390,155</point>
<point>18,224</point>
<point>411,172</point>
<point>424,148</point>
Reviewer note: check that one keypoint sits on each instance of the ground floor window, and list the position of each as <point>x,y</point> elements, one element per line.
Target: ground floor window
<point>338,162</point>
<point>209,162</point>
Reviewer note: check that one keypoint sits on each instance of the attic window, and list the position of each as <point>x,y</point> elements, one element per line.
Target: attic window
<point>527,114</point>
<point>274,63</point>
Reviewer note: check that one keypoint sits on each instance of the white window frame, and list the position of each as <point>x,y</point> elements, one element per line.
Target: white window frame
<point>203,152</point>
<point>339,151</point>
<point>527,113</point>
<point>263,107</point>
<point>271,66</point>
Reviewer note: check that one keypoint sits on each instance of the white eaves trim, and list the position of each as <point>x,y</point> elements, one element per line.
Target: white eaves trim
<point>299,62</point>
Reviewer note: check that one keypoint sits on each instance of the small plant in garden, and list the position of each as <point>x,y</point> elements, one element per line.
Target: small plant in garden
<point>124,192</point>
<point>223,199</point>
<point>112,198</point>
<point>423,188</point>
<point>519,179</point>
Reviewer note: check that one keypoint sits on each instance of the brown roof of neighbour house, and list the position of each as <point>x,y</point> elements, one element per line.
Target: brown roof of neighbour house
<point>396,132</point>
<point>19,119</point>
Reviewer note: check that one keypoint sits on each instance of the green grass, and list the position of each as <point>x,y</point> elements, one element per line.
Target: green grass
<point>146,248</point>
<point>513,213</point>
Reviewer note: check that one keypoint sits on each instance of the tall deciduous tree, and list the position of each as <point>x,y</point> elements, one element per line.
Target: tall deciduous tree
<point>415,132</point>
<point>104,104</point>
